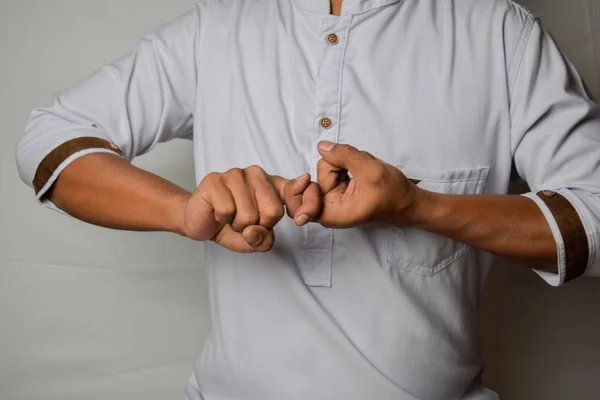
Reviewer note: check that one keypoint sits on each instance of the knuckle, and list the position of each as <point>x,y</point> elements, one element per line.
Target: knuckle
<point>246,219</point>
<point>347,150</point>
<point>379,174</point>
<point>313,189</point>
<point>255,170</point>
<point>274,211</point>
<point>288,191</point>
<point>235,173</point>
<point>313,194</point>
<point>368,155</point>
<point>213,177</point>
<point>352,153</point>
<point>225,212</point>
<point>222,218</point>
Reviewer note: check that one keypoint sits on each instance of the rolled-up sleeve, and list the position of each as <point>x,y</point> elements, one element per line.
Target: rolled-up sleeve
<point>556,148</point>
<point>124,108</point>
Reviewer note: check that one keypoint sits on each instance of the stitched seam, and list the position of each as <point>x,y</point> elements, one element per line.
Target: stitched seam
<point>416,177</point>
<point>516,67</point>
<point>200,41</point>
<point>520,54</point>
<point>482,173</point>
<point>205,19</point>
<point>339,116</point>
<point>425,268</point>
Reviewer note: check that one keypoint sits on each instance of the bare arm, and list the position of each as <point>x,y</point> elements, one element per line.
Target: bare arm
<point>237,209</point>
<point>510,226</point>
<point>105,190</point>
<point>507,225</point>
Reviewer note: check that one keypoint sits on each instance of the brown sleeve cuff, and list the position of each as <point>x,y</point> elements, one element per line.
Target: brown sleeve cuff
<point>572,232</point>
<point>57,156</point>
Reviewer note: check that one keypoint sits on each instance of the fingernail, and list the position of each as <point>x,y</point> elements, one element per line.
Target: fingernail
<point>253,238</point>
<point>302,220</point>
<point>301,177</point>
<point>326,146</point>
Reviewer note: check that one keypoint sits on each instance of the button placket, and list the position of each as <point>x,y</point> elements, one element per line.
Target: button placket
<point>327,110</point>
<point>318,257</point>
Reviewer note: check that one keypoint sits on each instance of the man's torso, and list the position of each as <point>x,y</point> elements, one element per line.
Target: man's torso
<point>382,313</point>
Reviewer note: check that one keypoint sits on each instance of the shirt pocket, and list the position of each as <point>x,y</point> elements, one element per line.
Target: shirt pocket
<point>424,252</point>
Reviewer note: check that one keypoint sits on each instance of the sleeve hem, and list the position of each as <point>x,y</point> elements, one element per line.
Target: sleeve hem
<point>46,202</point>
<point>568,227</point>
<point>56,172</point>
<point>54,162</point>
<point>592,240</point>
<point>550,278</point>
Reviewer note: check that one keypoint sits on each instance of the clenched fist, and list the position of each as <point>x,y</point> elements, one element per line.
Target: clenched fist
<point>239,208</point>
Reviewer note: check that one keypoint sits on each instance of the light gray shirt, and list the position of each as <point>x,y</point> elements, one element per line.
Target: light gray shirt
<point>460,95</point>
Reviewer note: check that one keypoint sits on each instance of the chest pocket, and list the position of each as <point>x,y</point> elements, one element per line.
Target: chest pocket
<point>427,253</point>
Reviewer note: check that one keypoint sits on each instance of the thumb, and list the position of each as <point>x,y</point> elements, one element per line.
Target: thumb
<point>254,239</point>
<point>258,239</point>
<point>345,157</point>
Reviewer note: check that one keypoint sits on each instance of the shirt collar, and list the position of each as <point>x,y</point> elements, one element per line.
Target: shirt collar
<point>349,7</point>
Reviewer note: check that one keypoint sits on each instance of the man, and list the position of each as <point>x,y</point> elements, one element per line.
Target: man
<point>410,115</point>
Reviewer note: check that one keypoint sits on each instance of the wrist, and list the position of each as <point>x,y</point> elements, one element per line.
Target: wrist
<point>421,211</point>
<point>175,219</point>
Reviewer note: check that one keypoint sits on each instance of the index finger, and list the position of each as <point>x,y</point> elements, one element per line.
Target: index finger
<point>286,187</point>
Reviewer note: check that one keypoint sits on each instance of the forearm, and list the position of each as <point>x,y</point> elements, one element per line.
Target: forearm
<point>105,190</point>
<point>510,226</point>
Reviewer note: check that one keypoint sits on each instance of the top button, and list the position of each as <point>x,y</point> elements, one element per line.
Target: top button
<point>549,193</point>
<point>332,38</point>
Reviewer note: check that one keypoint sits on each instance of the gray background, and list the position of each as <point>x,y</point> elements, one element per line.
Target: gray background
<point>89,313</point>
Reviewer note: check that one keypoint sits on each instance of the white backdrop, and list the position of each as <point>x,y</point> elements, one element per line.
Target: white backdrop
<point>89,313</point>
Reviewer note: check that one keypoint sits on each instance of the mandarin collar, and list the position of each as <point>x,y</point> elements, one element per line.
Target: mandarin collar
<point>349,7</point>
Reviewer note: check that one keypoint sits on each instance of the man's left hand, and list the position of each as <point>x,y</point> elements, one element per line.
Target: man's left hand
<point>360,189</point>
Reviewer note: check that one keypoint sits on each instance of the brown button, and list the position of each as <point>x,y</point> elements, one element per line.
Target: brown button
<point>332,38</point>
<point>549,193</point>
<point>326,123</point>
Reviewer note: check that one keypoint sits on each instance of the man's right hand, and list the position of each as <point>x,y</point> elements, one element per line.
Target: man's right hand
<point>239,208</point>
